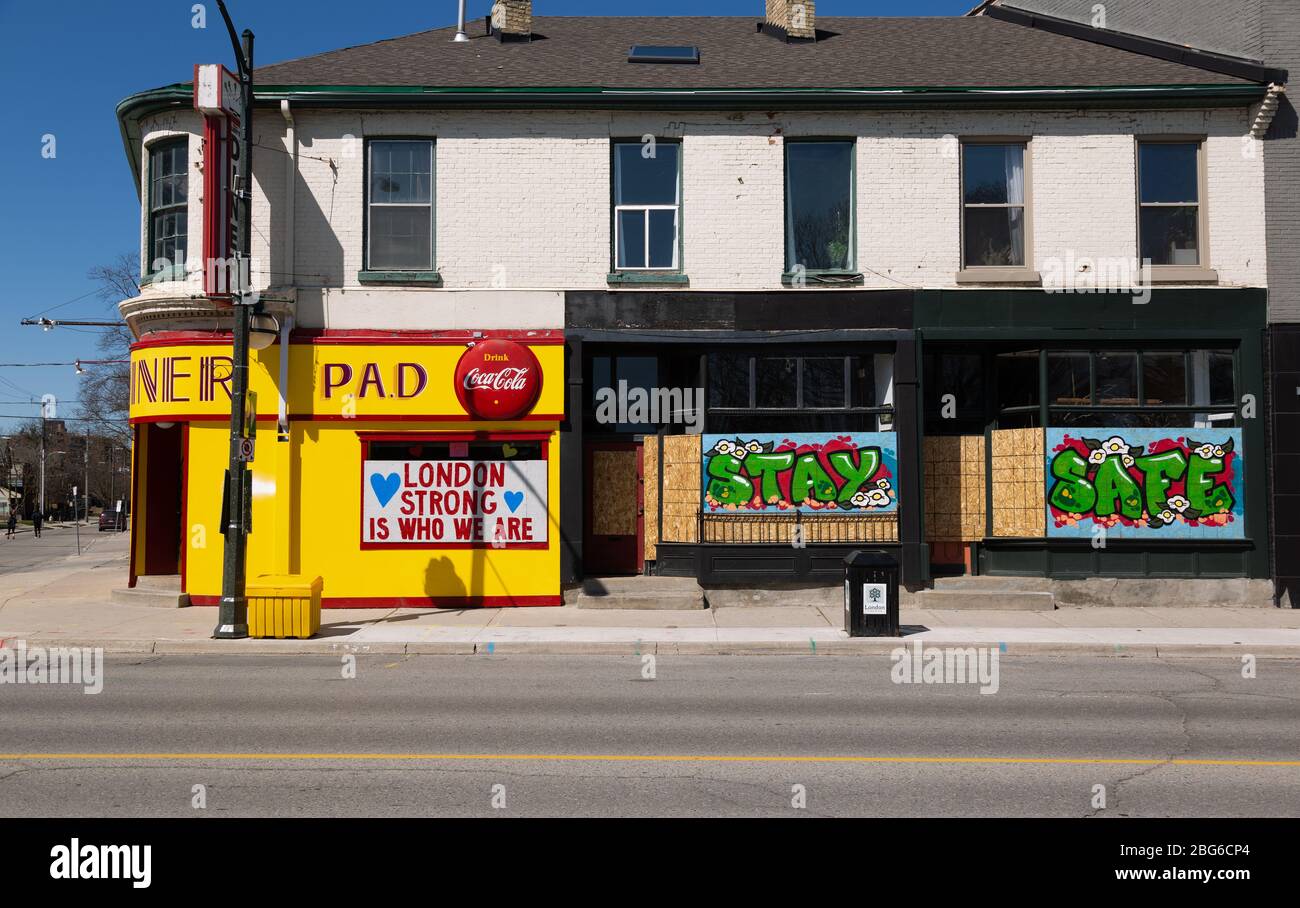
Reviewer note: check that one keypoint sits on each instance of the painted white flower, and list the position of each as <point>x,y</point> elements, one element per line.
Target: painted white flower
<point>1177,503</point>
<point>877,499</point>
<point>1218,451</point>
<point>1128,460</point>
<point>1114,445</point>
<point>754,447</point>
<point>1167,515</point>
<point>725,447</point>
<point>1097,456</point>
<point>1207,451</point>
<point>860,500</point>
<point>882,484</point>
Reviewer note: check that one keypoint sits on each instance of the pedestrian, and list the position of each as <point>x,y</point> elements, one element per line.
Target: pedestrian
<point>11,530</point>
<point>37,519</point>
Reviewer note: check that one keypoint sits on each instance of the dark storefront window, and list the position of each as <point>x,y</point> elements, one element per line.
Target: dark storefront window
<point>639,393</point>
<point>955,397</point>
<point>1154,388</point>
<point>794,393</point>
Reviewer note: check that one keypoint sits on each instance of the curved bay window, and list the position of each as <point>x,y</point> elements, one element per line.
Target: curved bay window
<point>168,202</point>
<point>805,392</point>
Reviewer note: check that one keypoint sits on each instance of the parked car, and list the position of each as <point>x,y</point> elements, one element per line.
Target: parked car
<point>112,520</point>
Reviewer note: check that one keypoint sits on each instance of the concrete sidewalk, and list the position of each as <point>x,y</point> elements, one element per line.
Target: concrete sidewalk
<point>65,602</point>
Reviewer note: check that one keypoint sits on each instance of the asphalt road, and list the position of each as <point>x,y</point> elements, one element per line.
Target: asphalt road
<point>710,736</point>
<point>27,553</point>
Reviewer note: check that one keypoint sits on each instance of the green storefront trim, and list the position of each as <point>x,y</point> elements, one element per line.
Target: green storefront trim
<point>1235,317</point>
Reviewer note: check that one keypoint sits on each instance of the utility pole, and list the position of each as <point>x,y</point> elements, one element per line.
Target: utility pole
<point>232,622</point>
<point>85,463</point>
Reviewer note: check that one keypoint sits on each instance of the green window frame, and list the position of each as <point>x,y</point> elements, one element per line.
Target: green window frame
<point>822,264</point>
<point>403,192</point>
<point>625,212</point>
<point>167,203</point>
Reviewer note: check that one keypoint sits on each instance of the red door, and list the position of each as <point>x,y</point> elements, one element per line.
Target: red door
<point>614,509</point>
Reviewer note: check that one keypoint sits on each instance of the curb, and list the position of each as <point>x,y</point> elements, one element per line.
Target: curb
<point>844,647</point>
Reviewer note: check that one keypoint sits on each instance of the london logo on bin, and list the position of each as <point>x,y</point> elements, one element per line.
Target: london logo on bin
<point>498,379</point>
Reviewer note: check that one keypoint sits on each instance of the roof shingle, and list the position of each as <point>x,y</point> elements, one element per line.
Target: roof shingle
<point>883,52</point>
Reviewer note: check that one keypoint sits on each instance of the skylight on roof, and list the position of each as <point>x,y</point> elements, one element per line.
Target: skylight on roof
<point>660,53</point>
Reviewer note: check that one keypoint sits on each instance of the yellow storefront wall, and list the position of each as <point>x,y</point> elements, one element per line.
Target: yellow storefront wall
<point>307,520</point>
<point>307,490</point>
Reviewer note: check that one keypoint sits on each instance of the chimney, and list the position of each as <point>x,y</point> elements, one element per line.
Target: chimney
<point>512,20</point>
<point>794,20</point>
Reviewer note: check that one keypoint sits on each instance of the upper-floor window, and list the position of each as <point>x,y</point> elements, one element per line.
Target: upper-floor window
<point>819,209</point>
<point>399,205</point>
<point>647,206</point>
<point>995,217</point>
<point>168,201</point>
<point>1170,222</point>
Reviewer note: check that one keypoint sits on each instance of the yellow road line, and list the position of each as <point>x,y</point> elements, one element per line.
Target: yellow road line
<point>644,758</point>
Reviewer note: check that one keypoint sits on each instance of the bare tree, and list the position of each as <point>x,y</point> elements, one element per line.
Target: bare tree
<point>106,390</point>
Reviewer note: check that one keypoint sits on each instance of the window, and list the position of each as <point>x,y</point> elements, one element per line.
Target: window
<point>1169,202</point>
<point>995,217</point>
<point>660,53</point>
<point>399,216</point>
<point>647,206</point>
<point>168,205</point>
<point>820,392</point>
<point>953,383</point>
<point>819,209</point>
<point>1157,388</point>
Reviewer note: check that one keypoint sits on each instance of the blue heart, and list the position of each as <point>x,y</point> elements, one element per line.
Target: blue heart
<point>385,486</point>
<point>514,500</point>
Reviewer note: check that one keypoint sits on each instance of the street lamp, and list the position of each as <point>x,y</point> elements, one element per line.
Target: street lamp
<point>232,621</point>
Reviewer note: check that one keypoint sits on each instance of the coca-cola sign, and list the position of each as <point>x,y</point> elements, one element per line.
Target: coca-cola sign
<point>498,379</point>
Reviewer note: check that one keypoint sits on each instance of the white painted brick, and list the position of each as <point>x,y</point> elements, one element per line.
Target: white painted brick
<point>523,197</point>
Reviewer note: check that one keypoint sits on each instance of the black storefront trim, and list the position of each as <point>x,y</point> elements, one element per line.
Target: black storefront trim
<point>909,319</point>
<point>719,564</point>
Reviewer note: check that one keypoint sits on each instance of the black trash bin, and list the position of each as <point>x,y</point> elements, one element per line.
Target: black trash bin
<point>871,594</point>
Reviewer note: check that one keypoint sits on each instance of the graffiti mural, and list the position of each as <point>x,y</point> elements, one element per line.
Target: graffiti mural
<point>801,472</point>
<point>1146,483</point>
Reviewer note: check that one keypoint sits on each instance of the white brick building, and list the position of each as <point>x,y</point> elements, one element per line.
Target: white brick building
<point>937,280</point>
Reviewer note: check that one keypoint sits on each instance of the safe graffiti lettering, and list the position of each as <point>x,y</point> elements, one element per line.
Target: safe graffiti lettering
<point>454,502</point>
<point>1144,481</point>
<point>800,472</point>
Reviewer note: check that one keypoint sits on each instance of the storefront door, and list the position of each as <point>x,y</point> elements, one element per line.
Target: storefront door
<point>163,472</point>
<point>614,518</point>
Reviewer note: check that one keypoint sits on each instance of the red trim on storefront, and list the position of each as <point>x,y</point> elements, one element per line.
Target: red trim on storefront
<point>337,417</point>
<point>418,601</point>
<point>185,500</point>
<point>367,438</point>
<point>181,338</point>
<point>132,514</point>
<point>417,417</point>
<point>485,435</point>
<point>367,336</point>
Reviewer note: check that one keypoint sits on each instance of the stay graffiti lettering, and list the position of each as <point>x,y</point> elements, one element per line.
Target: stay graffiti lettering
<point>1173,484</point>
<point>814,472</point>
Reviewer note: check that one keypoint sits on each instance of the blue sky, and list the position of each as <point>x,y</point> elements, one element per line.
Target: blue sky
<point>67,64</point>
